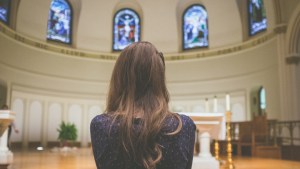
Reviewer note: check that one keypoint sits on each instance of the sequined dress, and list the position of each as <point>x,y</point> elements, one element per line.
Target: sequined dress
<point>177,150</point>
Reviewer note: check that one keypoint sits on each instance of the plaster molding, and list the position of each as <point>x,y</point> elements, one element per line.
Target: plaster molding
<point>280,28</point>
<point>8,32</point>
<point>293,58</point>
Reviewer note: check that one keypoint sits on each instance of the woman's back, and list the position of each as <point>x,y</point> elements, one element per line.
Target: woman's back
<point>177,150</point>
<point>138,130</point>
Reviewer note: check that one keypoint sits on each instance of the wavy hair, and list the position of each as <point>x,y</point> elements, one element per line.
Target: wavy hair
<point>138,90</point>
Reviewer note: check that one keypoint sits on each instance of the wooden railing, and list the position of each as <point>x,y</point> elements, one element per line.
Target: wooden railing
<point>281,132</point>
<point>292,135</point>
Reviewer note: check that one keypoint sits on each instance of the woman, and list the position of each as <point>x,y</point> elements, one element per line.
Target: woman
<point>138,131</point>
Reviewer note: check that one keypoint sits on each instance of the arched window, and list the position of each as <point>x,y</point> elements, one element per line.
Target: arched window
<point>60,21</point>
<point>4,11</point>
<point>127,29</point>
<point>256,16</point>
<point>262,100</point>
<point>195,27</point>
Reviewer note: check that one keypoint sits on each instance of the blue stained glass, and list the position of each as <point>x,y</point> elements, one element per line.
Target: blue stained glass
<point>59,21</point>
<point>127,29</point>
<point>195,27</point>
<point>4,10</point>
<point>262,98</point>
<point>257,17</point>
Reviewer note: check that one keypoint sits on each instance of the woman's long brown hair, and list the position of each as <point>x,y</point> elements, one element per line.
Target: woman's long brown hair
<point>138,90</point>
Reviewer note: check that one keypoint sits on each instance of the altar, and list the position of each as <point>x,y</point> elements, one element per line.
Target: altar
<point>210,126</point>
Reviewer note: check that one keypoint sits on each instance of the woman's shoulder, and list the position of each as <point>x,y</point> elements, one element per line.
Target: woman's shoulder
<point>187,123</point>
<point>173,122</point>
<point>186,119</point>
<point>101,121</point>
<point>101,118</point>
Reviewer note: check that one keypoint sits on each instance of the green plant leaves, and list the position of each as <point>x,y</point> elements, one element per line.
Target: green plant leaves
<point>67,131</point>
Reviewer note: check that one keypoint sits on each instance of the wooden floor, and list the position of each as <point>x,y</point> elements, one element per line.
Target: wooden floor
<point>83,159</point>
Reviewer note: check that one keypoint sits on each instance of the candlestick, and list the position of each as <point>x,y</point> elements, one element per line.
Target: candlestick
<point>206,105</point>
<point>229,163</point>
<point>227,102</point>
<point>215,104</point>
<point>217,149</point>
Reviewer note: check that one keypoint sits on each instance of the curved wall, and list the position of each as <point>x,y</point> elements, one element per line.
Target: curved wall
<point>36,75</point>
<point>56,72</point>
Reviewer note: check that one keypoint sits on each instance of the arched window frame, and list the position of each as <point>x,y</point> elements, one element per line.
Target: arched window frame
<point>7,12</point>
<point>114,27</point>
<point>263,24</point>
<point>183,26</point>
<point>262,101</point>
<point>70,24</point>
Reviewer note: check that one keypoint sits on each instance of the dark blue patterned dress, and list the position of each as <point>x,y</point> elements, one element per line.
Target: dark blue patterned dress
<point>177,150</point>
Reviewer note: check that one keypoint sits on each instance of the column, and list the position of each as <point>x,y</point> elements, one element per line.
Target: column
<point>45,124</point>
<point>284,75</point>
<point>85,125</point>
<point>25,124</point>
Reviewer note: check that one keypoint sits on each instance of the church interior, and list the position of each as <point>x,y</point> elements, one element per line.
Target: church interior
<point>236,56</point>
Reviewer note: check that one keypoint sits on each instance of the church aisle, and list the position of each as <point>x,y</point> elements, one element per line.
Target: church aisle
<point>263,163</point>
<point>83,159</point>
<point>77,159</point>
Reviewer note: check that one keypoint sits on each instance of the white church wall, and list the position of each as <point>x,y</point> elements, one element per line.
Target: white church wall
<point>35,122</point>
<point>94,24</point>
<point>238,112</point>
<point>54,119</point>
<point>93,111</point>
<point>227,74</point>
<point>32,17</point>
<point>58,109</point>
<point>75,117</point>
<point>199,104</point>
<point>18,108</point>
<point>271,15</point>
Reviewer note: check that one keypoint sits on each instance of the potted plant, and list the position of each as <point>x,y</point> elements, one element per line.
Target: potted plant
<point>67,133</point>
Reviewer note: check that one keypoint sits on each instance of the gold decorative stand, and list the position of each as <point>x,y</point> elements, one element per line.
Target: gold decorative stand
<point>217,148</point>
<point>229,164</point>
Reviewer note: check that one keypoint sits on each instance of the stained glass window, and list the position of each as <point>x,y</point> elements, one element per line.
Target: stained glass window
<point>4,10</point>
<point>257,16</point>
<point>195,27</point>
<point>59,21</point>
<point>127,29</point>
<point>262,98</point>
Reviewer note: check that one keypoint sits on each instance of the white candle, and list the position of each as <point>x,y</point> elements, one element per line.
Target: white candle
<point>206,105</point>
<point>227,102</point>
<point>215,104</point>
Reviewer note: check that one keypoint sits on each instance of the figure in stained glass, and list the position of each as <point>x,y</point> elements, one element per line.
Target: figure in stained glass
<point>59,22</point>
<point>126,29</point>
<point>195,27</point>
<point>257,16</point>
<point>4,10</point>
